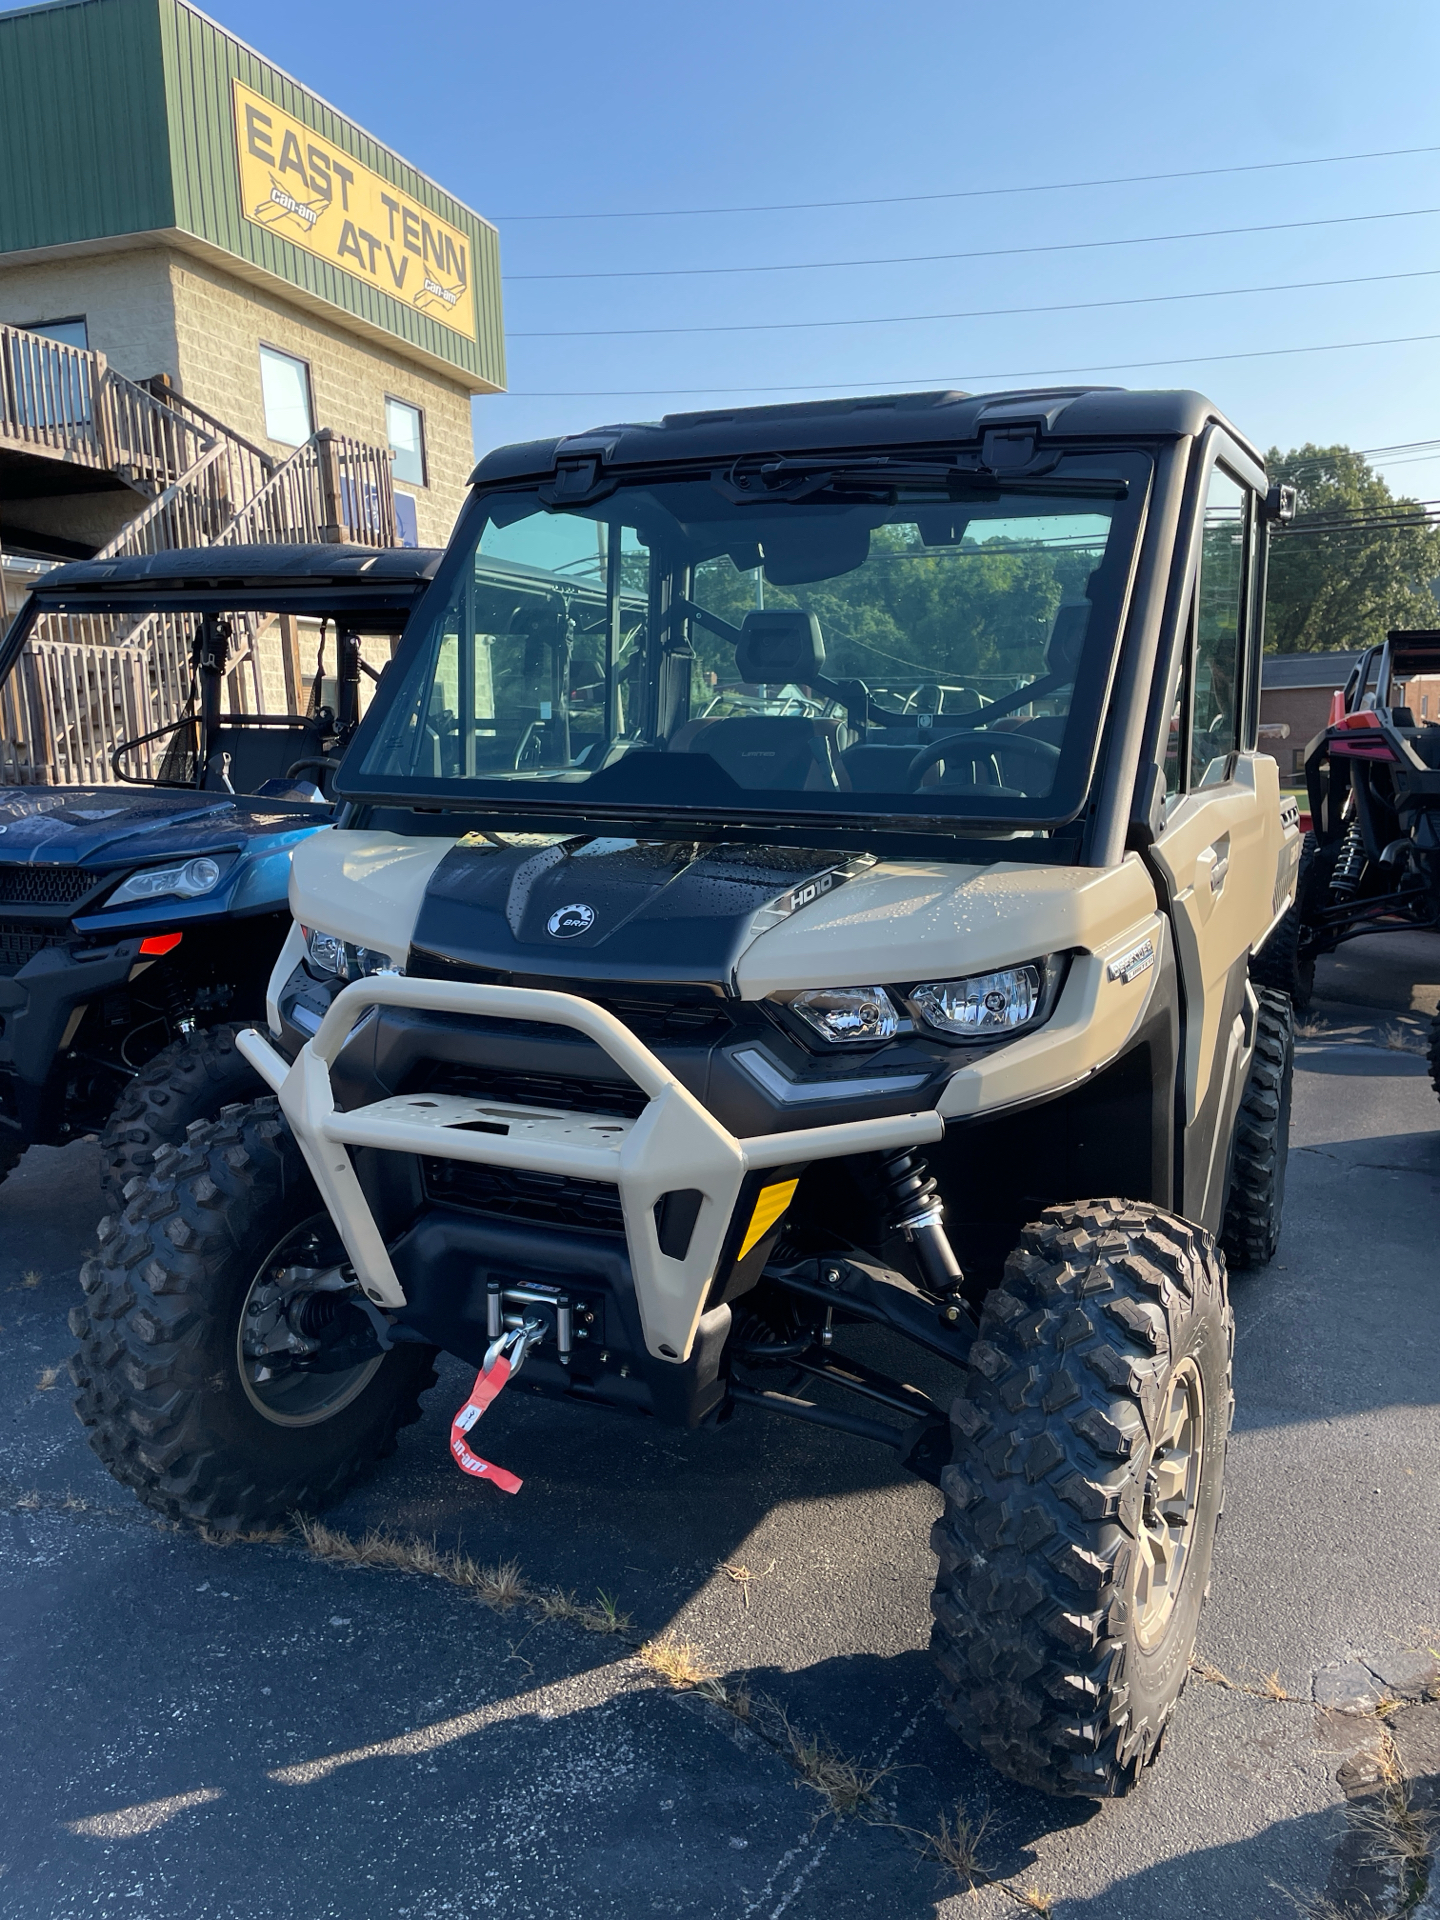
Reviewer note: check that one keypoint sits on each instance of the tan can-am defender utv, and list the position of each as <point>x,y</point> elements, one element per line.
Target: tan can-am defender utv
<point>801,864</point>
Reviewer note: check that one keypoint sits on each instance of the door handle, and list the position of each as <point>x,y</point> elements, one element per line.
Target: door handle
<point>1217,858</point>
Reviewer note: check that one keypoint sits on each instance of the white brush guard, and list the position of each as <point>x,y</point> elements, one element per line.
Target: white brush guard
<point>673,1145</point>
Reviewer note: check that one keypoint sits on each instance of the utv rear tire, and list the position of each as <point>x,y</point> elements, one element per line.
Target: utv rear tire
<point>190,1080</point>
<point>1251,1229</point>
<point>1285,963</point>
<point>158,1371</point>
<point>1061,1655</point>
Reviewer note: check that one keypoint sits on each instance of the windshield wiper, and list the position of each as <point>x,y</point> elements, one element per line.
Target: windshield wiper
<point>802,479</point>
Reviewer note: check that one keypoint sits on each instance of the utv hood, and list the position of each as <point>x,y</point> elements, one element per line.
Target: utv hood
<point>611,909</point>
<point>107,827</point>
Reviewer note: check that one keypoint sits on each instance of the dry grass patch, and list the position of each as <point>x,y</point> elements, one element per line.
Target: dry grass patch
<point>1405,1040</point>
<point>30,1279</point>
<point>1269,1687</point>
<point>743,1577</point>
<point>500,1587</point>
<point>1399,1835</point>
<point>679,1663</point>
<point>1032,1900</point>
<point>956,1843</point>
<point>47,1379</point>
<point>844,1785</point>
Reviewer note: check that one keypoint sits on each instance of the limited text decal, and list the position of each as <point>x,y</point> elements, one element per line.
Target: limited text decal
<point>320,198</point>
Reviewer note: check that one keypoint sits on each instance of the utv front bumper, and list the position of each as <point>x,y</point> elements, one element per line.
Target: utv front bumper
<point>693,1197</point>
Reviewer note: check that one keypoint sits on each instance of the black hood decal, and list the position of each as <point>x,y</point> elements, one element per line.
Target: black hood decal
<point>609,909</point>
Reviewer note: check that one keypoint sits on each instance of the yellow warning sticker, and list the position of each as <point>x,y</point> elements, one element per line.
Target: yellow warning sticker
<point>768,1208</point>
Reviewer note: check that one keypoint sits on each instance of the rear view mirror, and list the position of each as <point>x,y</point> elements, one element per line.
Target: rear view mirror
<point>800,552</point>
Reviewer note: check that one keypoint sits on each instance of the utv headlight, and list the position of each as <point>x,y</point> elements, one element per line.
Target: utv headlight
<point>338,960</point>
<point>865,1015</point>
<point>187,882</point>
<point>984,1005</point>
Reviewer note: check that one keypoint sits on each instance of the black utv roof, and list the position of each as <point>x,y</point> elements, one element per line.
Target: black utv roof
<point>874,420</point>
<point>375,589</point>
<point>381,581</point>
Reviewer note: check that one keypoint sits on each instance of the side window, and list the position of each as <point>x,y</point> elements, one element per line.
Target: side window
<point>1218,661</point>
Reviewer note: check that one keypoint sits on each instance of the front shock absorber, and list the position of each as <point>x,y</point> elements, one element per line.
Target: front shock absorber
<point>179,1003</point>
<point>910,1198</point>
<point>1348,868</point>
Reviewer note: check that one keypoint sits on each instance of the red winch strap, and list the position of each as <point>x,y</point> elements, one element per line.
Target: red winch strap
<point>486,1386</point>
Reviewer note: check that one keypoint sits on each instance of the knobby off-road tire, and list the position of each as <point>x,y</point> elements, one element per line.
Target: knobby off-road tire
<point>190,1080</point>
<point>1280,964</point>
<point>158,1371</point>
<point>1059,1660</point>
<point>1250,1232</point>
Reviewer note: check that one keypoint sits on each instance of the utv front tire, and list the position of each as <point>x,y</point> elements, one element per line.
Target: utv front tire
<point>1253,1208</point>
<point>159,1371</point>
<point>1083,1496</point>
<point>190,1080</point>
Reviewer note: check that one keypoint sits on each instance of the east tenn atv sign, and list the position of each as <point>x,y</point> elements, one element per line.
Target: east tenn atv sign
<point>322,199</point>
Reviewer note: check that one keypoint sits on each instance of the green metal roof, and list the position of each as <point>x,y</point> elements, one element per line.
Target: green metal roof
<point>118,119</point>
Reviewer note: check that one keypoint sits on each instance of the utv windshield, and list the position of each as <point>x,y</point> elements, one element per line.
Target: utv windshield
<point>899,639</point>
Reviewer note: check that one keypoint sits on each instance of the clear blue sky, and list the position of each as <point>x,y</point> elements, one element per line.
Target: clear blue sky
<point>566,108</point>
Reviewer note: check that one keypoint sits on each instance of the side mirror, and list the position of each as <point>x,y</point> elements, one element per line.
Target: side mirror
<point>1280,505</point>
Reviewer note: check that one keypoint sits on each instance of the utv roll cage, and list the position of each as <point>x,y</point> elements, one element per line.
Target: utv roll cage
<point>354,589</point>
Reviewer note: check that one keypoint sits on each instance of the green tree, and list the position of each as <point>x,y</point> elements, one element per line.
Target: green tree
<point>1347,586</point>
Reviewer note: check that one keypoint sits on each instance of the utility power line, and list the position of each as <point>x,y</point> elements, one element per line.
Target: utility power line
<point>978,193</point>
<point>976,253</point>
<point>926,382</point>
<point>977,313</point>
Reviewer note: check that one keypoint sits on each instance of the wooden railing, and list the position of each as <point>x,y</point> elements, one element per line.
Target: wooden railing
<point>331,490</point>
<point>85,682</point>
<point>47,396</point>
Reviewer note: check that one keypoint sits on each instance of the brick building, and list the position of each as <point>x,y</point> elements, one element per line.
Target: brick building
<point>175,203</point>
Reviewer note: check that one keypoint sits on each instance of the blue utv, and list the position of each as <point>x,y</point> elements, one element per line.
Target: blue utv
<point>140,916</point>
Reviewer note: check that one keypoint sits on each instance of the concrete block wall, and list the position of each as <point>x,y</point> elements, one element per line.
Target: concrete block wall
<point>220,323</point>
<point>157,310</point>
<point>126,296</point>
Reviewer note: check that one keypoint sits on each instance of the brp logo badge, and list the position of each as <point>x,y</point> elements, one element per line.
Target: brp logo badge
<point>566,922</point>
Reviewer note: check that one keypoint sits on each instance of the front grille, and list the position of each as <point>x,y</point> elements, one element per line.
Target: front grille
<point>50,886</point>
<point>515,1193</point>
<point>19,944</point>
<point>701,1017</point>
<point>618,1099</point>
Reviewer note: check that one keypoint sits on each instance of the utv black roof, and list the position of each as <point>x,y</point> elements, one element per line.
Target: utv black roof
<point>375,588</point>
<point>279,579</point>
<point>874,420</point>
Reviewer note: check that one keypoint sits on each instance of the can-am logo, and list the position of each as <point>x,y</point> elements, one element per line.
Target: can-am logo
<point>565,922</point>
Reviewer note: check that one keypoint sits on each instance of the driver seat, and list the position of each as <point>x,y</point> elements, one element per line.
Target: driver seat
<point>783,752</point>
<point>1062,658</point>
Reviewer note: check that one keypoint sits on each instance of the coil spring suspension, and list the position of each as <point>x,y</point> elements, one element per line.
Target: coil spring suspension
<point>911,1203</point>
<point>179,1011</point>
<point>1348,867</point>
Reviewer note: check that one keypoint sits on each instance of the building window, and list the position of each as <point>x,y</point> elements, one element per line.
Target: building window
<point>285,383</point>
<point>70,333</point>
<point>405,430</point>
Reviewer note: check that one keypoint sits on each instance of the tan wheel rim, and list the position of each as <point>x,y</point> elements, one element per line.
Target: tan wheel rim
<point>1171,1503</point>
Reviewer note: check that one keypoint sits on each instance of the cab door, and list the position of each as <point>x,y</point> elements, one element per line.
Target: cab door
<point>1217,852</point>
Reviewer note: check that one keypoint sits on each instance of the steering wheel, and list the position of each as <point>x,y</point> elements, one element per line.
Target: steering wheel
<point>1023,743</point>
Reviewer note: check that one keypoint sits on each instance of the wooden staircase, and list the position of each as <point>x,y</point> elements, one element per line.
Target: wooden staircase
<point>87,681</point>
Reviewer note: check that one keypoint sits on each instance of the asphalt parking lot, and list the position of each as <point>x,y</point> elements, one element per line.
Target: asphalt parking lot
<point>253,1731</point>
